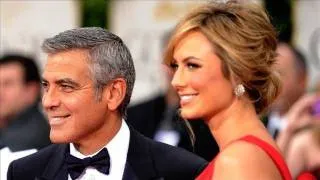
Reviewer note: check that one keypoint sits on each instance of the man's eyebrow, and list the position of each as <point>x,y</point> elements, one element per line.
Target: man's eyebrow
<point>67,81</point>
<point>43,80</point>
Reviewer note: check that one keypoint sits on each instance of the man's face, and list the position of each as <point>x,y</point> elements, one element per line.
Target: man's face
<point>293,83</point>
<point>12,91</point>
<point>69,100</point>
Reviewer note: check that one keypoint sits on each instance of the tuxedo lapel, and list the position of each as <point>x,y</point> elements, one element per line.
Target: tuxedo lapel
<point>139,163</point>
<point>129,174</point>
<point>41,178</point>
<point>55,169</point>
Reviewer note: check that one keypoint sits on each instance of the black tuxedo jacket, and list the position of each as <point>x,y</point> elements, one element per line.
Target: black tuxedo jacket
<point>146,160</point>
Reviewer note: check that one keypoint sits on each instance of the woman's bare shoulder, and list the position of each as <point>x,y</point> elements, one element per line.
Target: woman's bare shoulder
<point>243,160</point>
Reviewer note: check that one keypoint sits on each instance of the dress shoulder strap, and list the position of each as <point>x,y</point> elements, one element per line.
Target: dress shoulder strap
<point>266,147</point>
<point>272,153</point>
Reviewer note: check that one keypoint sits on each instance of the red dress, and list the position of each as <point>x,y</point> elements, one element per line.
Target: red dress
<point>207,173</point>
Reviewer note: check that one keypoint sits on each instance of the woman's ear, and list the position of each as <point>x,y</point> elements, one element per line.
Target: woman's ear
<point>115,92</point>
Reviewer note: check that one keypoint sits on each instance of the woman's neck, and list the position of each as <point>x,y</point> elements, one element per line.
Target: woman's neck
<point>234,122</point>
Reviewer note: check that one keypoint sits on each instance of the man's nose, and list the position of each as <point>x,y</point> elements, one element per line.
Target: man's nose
<point>50,99</point>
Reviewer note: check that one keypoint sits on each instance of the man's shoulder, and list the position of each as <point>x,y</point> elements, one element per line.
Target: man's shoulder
<point>169,161</point>
<point>35,162</point>
<point>42,154</point>
<point>163,150</point>
<point>165,154</point>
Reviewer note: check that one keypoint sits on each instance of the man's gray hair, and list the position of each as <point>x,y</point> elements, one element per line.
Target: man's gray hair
<point>108,56</point>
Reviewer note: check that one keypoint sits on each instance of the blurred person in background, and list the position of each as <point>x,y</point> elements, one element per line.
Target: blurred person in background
<point>158,112</point>
<point>300,139</point>
<point>292,67</point>
<point>291,121</point>
<point>222,57</point>
<point>22,124</point>
<point>158,118</point>
<point>303,152</point>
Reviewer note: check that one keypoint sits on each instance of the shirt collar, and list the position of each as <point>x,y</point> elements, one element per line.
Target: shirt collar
<point>117,148</point>
<point>276,121</point>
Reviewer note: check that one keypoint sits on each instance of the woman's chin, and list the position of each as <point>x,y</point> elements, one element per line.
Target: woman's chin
<point>187,115</point>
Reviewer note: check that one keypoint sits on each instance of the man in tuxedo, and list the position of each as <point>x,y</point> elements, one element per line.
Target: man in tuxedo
<point>87,84</point>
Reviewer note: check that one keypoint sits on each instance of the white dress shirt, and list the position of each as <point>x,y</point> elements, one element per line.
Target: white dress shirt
<point>118,150</point>
<point>276,123</point>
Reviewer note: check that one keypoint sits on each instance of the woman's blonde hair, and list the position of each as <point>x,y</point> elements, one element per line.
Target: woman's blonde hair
<point>244,39</point>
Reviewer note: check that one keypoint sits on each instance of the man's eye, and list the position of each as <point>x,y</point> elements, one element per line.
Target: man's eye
<point>44,85</point>
<point>66,88</point>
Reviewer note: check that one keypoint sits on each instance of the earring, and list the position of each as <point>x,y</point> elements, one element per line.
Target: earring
<point>239,90</point>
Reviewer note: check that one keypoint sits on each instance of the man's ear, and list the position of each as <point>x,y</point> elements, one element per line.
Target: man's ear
<point>115,93</point>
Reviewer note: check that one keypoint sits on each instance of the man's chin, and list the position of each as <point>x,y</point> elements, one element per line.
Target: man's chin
<point>58,139</point>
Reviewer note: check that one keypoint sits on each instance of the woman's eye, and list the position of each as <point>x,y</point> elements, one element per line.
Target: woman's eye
<point>174,66</point>
<point>192,65</point>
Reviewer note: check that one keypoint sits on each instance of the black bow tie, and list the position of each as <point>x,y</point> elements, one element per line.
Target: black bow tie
<point>100,161</point>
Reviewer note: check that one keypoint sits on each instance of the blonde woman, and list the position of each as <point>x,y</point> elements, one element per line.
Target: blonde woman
<point>222,57</point>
